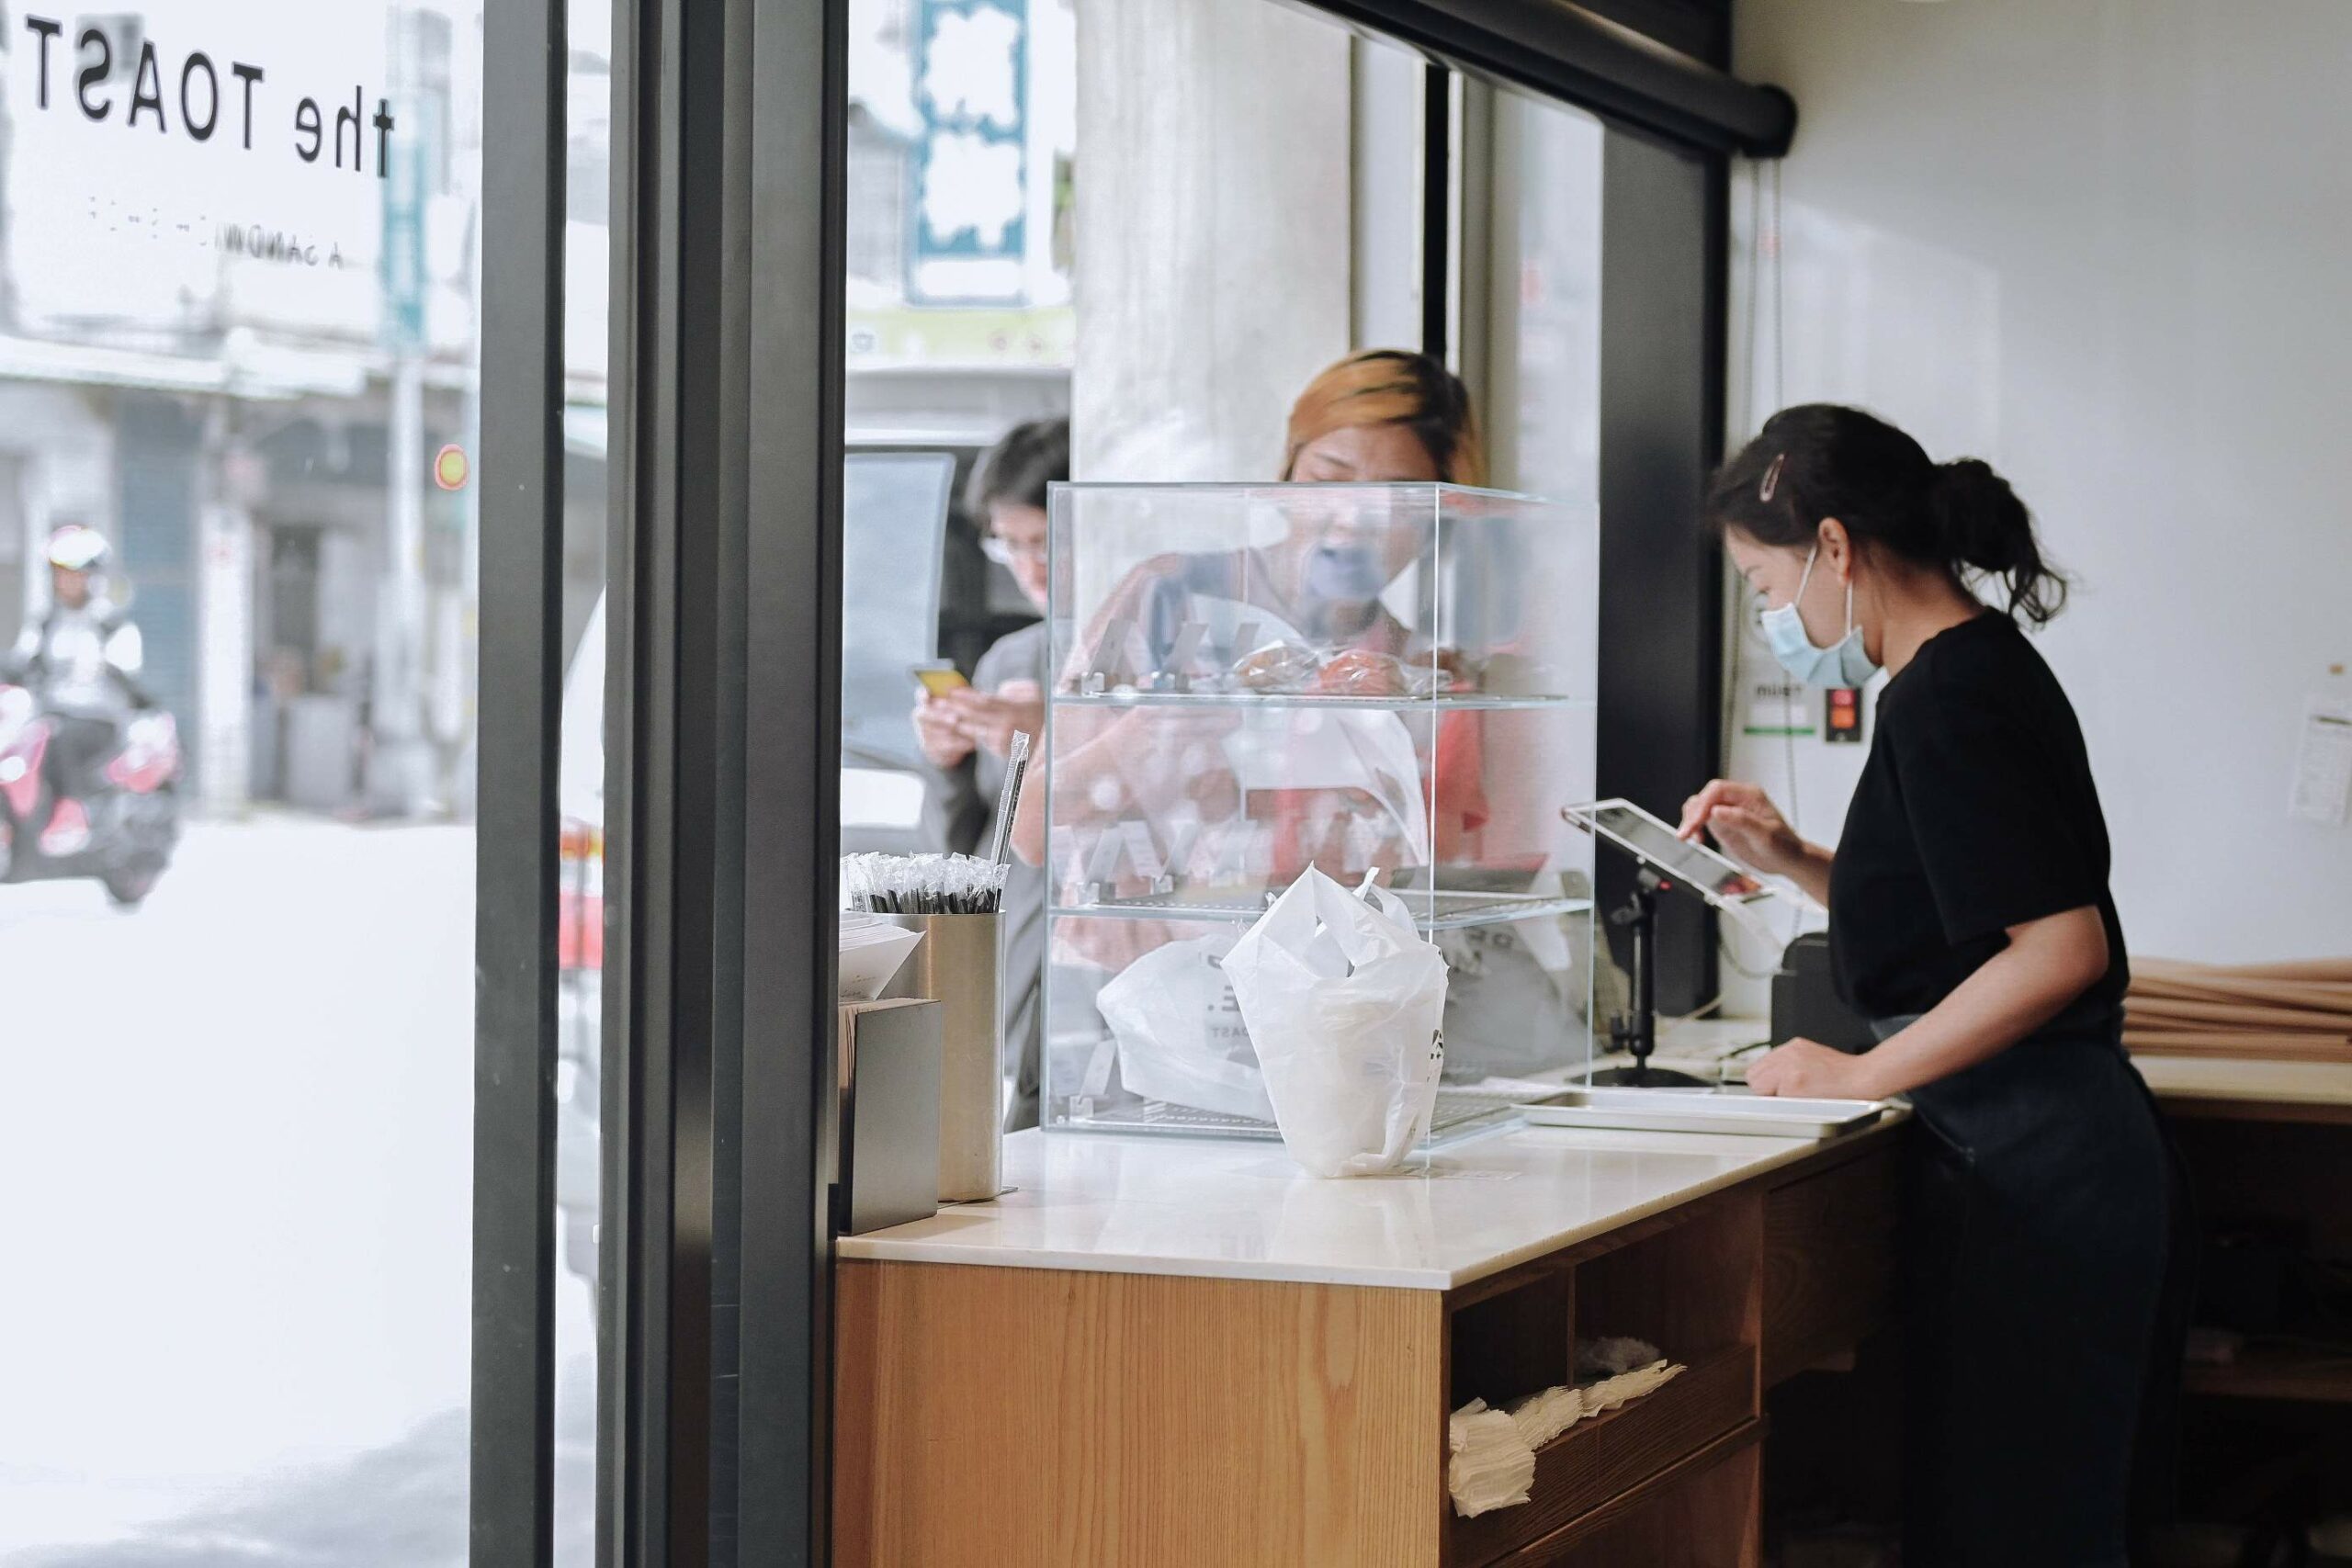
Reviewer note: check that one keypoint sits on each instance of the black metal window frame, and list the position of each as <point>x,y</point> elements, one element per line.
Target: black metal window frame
<point>1650,68</point>
<point>722,777</point>
<point>1664,271</point>
<point>722,721</point>
<point>518,703</point>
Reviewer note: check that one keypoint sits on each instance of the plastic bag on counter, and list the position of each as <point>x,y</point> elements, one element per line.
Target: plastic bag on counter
<point>1180,1036</point>
<point>1344,1001</point>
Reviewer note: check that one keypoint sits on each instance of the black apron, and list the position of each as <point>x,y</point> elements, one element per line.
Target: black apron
<point>2046,1295</point>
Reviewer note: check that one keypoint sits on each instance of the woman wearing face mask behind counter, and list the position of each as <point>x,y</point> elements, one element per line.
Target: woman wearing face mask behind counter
<point>1969,920</point>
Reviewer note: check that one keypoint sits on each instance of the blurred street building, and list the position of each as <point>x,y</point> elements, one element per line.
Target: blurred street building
<point>237,346</point>
<point>236,360</point>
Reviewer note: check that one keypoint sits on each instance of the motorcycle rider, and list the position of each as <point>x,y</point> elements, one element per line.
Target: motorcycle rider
<point>81,660</point>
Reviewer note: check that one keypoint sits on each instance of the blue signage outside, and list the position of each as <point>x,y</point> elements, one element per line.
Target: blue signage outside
<point>968,242</point>
<point>402,266</point>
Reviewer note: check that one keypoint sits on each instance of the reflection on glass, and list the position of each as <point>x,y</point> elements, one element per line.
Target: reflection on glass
<point>580,777</point>
<point>235,1108</point>
<point>1545,337</point>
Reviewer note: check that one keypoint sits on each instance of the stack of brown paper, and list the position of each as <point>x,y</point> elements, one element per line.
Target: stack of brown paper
<point>2295,1013</point>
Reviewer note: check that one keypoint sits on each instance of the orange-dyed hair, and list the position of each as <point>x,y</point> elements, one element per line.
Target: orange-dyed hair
<point>1391,386</point>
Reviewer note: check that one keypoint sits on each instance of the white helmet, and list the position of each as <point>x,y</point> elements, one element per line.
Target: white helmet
<point>78,548</point>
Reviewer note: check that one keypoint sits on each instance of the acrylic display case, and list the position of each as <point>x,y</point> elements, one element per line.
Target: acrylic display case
<point>1395,680</point>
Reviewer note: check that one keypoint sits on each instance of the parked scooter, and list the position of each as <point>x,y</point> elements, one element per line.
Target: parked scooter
<point>119,830</point>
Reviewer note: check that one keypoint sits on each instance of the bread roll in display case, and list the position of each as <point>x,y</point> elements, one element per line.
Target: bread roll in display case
<point>1395,680</point>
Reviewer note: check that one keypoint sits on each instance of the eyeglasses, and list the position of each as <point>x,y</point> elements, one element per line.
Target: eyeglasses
<point>1007,552</point>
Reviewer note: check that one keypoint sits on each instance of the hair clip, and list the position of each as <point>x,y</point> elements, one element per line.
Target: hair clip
<point>1772,477</point>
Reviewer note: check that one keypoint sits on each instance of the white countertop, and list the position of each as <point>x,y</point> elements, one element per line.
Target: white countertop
<point>1242,1211</point>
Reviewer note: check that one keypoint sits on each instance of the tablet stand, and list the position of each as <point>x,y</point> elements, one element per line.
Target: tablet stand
<point>1637,1032</point>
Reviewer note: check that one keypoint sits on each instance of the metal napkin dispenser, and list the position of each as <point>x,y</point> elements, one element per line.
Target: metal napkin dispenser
<point>888,1150</point>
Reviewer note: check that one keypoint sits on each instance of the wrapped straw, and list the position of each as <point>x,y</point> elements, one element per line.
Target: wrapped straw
<point>922,885</point>
<point>1008,800</point>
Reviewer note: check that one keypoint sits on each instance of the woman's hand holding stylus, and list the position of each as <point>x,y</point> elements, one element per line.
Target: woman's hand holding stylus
<point>1745,823</point>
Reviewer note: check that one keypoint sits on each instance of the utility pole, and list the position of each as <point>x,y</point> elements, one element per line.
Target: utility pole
<point>457,607</point>
<point>399,761</point>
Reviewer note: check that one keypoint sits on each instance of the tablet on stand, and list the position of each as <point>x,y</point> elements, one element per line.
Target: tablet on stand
<point>1667,861</point>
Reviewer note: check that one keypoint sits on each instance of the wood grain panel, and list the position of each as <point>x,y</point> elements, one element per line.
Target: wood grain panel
<point>1703,1512</point>
<point>1025,1417</point>
<point>1598,1461</point>
<point>1829,1248</point>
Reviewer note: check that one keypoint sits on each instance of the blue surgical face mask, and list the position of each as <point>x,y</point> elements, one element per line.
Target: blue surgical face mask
<point>1842,663</point>
<point>1348,573</point>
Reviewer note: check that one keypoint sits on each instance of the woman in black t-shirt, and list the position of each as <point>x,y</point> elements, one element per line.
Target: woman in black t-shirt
<point>1969,920</point>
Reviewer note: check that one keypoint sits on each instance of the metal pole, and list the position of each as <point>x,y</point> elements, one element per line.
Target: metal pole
<point>399,768</point>
<point>1645,972</point>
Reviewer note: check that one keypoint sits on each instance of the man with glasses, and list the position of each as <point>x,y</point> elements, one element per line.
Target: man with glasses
<point>967,732</point>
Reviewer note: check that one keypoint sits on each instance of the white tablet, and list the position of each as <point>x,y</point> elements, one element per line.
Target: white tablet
<point>1718,879</point>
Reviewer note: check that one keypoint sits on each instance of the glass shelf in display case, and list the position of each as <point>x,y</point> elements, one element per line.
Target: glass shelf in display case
<point>1395,680</point>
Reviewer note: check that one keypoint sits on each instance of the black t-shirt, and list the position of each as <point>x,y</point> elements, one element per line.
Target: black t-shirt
<point>1976,812</point>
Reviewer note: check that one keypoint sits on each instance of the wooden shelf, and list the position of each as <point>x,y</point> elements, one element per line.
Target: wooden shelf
<point>2275,1372</point>
<point>1600,1459</point>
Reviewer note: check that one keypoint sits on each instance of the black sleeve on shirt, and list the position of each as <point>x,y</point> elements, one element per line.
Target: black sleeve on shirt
<point>1986,811</point>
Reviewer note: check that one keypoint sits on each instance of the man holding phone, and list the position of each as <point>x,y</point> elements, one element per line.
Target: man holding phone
<point>966,729</point>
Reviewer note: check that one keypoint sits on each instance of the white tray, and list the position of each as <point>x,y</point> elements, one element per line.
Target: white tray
<point>1705,1111</point>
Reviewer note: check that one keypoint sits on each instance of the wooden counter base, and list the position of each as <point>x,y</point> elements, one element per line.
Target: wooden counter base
<point>1016,1416</point>
<point>1002,1416</point>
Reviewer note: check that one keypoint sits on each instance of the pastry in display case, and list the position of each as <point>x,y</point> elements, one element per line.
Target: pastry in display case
<point>1390,682</point>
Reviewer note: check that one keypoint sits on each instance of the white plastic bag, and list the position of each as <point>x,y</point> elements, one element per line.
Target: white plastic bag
<point>1345,1003</point>
<point>1180,1038</point>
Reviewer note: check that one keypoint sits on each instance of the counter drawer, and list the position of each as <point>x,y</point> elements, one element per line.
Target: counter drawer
<point>1829,1248</point>
<point>1600,1461</point>
<point>1700,1514</point>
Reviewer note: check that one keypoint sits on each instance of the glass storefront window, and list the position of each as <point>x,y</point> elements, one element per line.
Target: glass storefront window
<point>239,302</point>
<point>241,412</point>
<point>580,775</point>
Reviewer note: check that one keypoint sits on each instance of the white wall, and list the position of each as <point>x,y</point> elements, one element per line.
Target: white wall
<point>2103,244</point>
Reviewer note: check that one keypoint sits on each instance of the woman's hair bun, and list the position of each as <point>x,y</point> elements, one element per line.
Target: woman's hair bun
<point>1983,521</point>
<point>1984,525</point>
